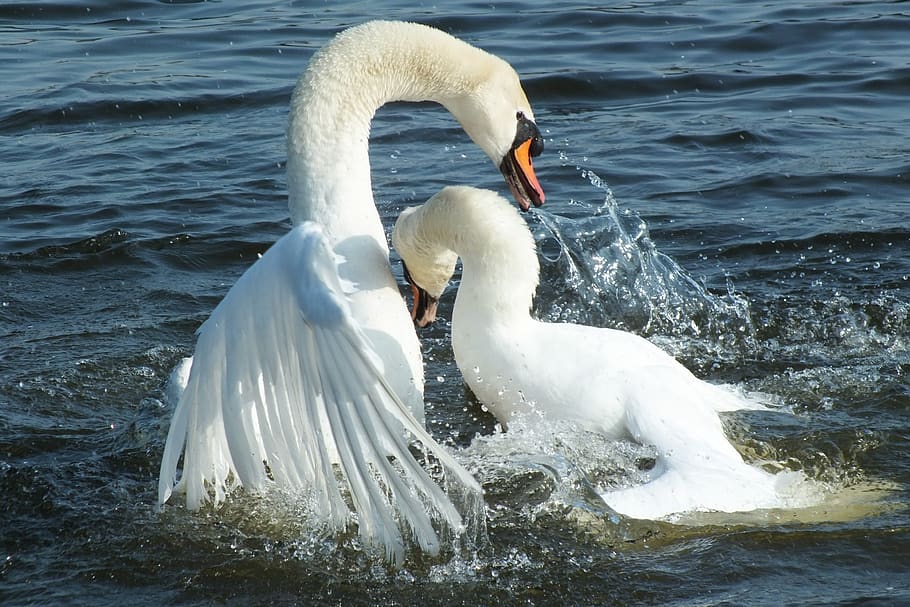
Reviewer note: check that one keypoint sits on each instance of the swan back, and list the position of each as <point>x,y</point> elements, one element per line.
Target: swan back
<point>496,248</point>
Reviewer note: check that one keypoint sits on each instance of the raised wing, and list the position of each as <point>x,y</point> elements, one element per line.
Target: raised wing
<point>285,388</point>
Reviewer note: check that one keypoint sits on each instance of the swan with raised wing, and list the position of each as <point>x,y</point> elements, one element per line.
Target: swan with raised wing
<point>310,367</point>
<point>606,380</point>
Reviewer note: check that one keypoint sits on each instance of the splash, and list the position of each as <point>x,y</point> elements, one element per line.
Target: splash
<point>548,473</point>
<point>604,269</point>
<point>553,475</point>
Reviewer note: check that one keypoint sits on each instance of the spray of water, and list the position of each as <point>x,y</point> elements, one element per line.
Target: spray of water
<point>603,269</point>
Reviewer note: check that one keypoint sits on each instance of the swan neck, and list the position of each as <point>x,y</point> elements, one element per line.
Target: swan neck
<point>505,295</point>
<point>500,268</point>
<point>332,107</point>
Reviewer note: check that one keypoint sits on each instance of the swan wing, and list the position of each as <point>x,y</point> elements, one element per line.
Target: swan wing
<point>285,389</point>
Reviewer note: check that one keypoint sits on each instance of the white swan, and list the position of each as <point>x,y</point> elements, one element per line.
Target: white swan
<point>607,380</point>
<point>310,366</point>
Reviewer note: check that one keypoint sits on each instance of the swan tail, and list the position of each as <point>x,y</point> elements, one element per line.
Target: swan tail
<point>698,469</point>
<point>286,390</point>
<point>687,488</point>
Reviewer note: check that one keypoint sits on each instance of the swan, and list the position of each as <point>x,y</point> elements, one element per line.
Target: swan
<point>310,366</point>
<point>605,380</point>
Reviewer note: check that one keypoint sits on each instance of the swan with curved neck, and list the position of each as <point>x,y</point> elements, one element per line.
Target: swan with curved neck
<point>310,367</point>
<point>609,381</point>
<point>328,164</point>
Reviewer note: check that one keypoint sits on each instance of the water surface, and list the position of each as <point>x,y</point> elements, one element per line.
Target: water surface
<point>753,159</point>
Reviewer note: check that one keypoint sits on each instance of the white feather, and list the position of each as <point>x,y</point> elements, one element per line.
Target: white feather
<point>285,389</point>
<point>304,370</point>
<point>606,380</point>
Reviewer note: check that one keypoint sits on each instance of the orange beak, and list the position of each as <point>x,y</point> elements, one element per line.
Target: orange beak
<point>523,159</point>
<point>517,168</point>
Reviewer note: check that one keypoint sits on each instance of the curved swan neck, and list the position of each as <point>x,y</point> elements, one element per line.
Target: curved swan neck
<point>335,100</point>
<point>500,269</point>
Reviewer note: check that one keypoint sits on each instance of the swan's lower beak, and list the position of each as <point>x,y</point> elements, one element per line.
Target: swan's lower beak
<point>424,310</point>
<point>518,169</point>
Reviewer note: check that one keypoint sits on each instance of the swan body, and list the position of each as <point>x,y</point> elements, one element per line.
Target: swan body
<point>309,371</point>
<point>608,380</point>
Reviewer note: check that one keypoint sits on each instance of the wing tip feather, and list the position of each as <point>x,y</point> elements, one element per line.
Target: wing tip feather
<point>394,505</point>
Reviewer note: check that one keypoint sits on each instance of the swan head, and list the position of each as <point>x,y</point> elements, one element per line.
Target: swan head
<point>477,225</point>
<point>428,265</point>
<point>497,116</point>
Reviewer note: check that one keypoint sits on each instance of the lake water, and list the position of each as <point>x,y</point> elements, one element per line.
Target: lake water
<point>753,159</point>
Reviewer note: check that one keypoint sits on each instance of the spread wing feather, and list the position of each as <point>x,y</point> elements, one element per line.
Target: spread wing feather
<point>286,389</point>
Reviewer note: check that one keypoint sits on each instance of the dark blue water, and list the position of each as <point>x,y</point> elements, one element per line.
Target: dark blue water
<point>759,161</point>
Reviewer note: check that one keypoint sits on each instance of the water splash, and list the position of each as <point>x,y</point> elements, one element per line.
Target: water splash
<point>543,472</point>
<point>604,269</point>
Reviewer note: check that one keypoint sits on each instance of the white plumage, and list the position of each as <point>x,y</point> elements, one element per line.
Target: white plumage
<point>610,381</point>
<point>301,383</point>
<point>284,385</point>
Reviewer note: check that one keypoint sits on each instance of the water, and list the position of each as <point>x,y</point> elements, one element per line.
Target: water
<point>757,155</point>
